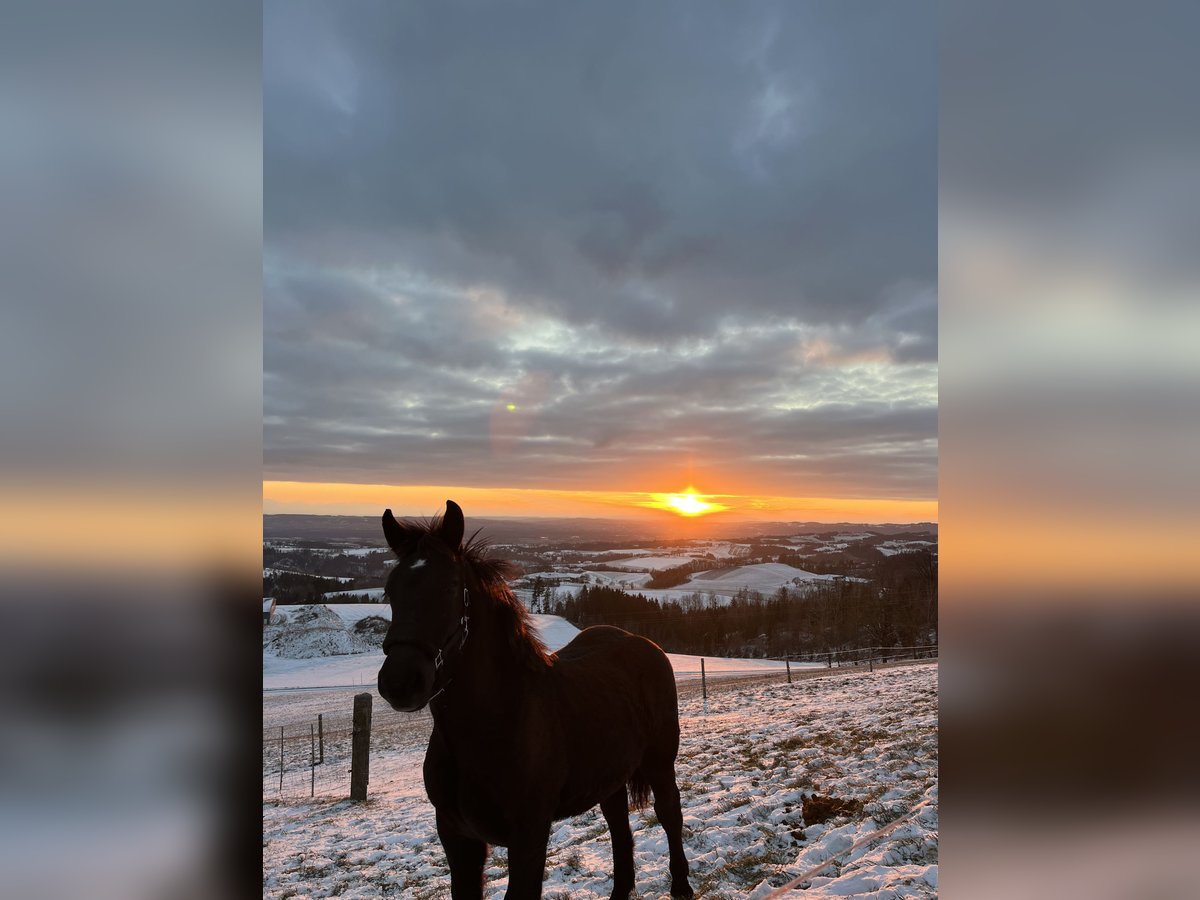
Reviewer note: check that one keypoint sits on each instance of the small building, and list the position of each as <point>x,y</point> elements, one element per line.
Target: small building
<point>268,609</point>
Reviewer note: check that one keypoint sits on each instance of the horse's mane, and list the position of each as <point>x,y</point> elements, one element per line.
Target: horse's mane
<point>512,617</point>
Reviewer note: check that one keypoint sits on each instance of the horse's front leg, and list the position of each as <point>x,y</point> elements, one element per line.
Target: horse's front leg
<point>466,857</point>
<point>527,861</point>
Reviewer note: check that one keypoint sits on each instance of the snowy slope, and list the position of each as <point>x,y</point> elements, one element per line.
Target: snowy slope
<point>763,577</point>
<point>747,759</point>
<point>627,581</point>
<point>652,563</point>
<point>555,631</point>
<point>362,668</point>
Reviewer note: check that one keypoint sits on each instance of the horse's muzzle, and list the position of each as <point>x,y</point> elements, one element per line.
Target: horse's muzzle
<point>406,679</point>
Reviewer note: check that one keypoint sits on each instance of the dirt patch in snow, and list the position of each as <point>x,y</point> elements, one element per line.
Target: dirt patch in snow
<point>817,809</point>
<point>373,629</point>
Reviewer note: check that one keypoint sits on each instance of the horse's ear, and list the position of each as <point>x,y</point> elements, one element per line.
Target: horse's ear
<point>399,538</point>
<point>453,525</point>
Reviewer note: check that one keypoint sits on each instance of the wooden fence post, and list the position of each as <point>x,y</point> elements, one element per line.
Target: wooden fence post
<point>829,662</point>
<point>312,761</point>
<point>703,680</point>
<point>321,738</point>
<point>360,747</point>
<point>788,663</point>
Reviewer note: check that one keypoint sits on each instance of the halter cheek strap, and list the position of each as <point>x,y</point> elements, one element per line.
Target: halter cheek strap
<point>464,626</point>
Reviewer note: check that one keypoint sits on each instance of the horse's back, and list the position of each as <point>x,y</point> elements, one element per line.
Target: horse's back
<point>605,646</point>
<point>606,666</point>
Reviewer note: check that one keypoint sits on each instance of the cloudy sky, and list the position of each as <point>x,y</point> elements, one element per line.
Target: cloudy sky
<point>617,248</point>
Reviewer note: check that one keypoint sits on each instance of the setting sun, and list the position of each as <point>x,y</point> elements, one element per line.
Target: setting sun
<point>686,503</point>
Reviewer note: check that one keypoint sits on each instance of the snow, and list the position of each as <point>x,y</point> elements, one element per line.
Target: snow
<point>629,581</point>
<point>891,548</point>
<point>687,667</point>
<point>312,631</point>
<point>720,584</point>
<point>634,551</point>
<point>723,549</point>
<point>555,631</point>
<point>288,547</point>
<point>375,593</point>
<point>653,563</point>
<point>353,612</point>
<point>762,577</point>
<point>322,669</point>
<point>271,572</point>
<point>748,757</point>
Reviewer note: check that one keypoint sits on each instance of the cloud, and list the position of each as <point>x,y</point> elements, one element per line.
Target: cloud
<point>690,225</point>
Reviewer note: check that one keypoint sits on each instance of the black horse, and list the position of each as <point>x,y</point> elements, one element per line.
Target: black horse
<point>522,737</point>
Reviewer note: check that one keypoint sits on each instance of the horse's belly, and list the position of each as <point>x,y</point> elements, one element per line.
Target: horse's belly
<point>591,786</point>
<point>479,816</point>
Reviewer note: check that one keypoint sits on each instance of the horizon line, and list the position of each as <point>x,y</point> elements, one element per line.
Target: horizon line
<point>357,499</point>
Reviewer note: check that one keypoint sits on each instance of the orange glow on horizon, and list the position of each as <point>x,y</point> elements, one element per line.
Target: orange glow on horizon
<point>321,498</point>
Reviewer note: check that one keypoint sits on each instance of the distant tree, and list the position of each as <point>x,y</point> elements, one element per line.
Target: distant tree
<point>539,592</point>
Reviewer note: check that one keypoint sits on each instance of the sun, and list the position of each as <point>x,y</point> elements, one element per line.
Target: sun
<point>689,503</point>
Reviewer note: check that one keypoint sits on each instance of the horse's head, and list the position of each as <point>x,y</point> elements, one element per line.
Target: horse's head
<point>430,622</point>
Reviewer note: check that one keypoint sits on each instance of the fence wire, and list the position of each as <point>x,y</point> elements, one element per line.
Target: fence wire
<point>310,759</point>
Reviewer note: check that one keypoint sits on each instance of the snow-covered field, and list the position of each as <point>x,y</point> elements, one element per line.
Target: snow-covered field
<point>763,577</point>
<point>718,585</point>
<point>748,758</point>
<point>348,670</point>
<point>891,548</point>
<point>652,563</point>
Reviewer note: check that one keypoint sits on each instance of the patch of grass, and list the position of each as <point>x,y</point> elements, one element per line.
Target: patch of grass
<point>596,831</point>
<point>724,806</point>
<point>792,743</point>
<point>800,783</point>
<point>752,758</point>
<point>744,870</point>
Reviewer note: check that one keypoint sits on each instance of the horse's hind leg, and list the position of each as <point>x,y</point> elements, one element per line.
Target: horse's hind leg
<point>616,813</point>
<point>670,816</point>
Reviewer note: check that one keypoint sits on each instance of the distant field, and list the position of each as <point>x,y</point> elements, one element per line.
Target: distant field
<point>360,669</point>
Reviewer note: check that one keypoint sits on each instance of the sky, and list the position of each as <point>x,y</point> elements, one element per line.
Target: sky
<point>564,258</point>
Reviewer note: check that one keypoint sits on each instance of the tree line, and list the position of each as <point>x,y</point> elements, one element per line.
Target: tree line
<point>896,607</point>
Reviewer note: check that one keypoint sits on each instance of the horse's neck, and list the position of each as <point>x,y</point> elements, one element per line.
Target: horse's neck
<point>488,681</point>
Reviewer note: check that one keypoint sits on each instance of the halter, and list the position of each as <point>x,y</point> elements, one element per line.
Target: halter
<point>439,660</point>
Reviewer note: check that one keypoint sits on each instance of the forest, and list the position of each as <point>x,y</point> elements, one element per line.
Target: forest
<point>895,607</point>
